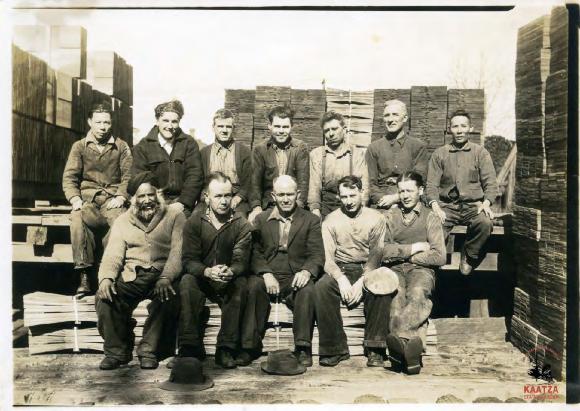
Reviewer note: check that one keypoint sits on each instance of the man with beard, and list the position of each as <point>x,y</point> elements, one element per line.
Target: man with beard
<point>95,183</point>
<point>173,157</point>
<point>287,257</point>
<point>216,254</point>
<point>230,158</point>
<point>350,233</point>
<point>142,261</point>
<point>461,187</point>
<point>330,163</point>
<point>394,154</point>
<point>414,245</point>
<point>280,155</point>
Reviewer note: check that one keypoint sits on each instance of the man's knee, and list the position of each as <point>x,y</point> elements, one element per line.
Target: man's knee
<point>306,292</point>
<point>255,285</point>
<point>482,222</point>
<point>325,285</point>
<point>188,284</point>
<point>418,293</point>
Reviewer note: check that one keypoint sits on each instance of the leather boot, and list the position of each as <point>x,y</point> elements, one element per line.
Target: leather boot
<point>84,287</point>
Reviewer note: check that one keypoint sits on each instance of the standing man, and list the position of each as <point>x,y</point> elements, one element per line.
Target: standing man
<point>280,155</point>
<point>216,257</point>
<point>393,155</point>
<point>288,256</point>
<point>414,246</point>
<point>173,157</point>
<point>95,183</point>
<point>331,162</point>
<point>142,261</point>
<point>349,234</point>
<point>461,187</point>
<point>230,158</point>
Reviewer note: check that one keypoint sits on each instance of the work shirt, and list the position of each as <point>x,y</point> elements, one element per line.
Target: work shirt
<point>327,166</point>
<point>350,239</point>
<point>223,159</point>
<point>421,226</point>
<point>463,174</point>
<point>165,144</point>
<point>285,224</point>
<point>387,159</point>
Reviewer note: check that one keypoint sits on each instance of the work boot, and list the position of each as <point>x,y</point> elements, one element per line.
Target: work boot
<point>333,360</point>
<point>110,363</point>
<point>304,356</point>
<point>224,358</point>
<point>84,286</point>
<point>245,357</point>
<point>465,264</point>
<point>148,363</point>
<point>375,358</point>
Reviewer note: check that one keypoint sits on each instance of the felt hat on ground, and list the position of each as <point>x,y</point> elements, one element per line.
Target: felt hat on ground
<point>381,281</point>
<point>187,375</point>
<point>282,362</point>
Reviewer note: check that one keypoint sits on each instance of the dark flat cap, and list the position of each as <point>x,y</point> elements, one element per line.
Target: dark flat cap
<point>140,178</point>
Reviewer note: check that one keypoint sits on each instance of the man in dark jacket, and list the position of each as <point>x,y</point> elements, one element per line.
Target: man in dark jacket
<point>172,156</point>
<point>216,254</point>
<point>95,183</point>
<point>288,256</point>
<point>280,155</point>
<point>229,157</point>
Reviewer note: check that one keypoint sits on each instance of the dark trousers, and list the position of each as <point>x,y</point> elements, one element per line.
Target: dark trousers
<point>116,325</point>
<point>330,328</point>
<point>92,218</point>
<point>301,302</point>
<point>231,298</point>
<point>479,226</point>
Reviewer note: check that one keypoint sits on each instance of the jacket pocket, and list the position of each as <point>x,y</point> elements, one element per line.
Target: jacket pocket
<point>474,175</point>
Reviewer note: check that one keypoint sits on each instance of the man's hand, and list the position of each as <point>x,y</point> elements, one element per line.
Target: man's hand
<point>163,289</point>
<point>77,203</point>
<point>257,210</point>
<point>356,292</point>
<point>106,290</point>
<point>272,285</point>
<point>301,278</point>
<point>116,202</point>
<point>420,247</point>
<point>316,212</point>
<point>226,273</point>
<point>486,208</point>
<point>177,206</point>
<point>388,200</point>
<point>345,288</point>
<point>214,273</point>
<point>438,212</point>
<point>236,201</point>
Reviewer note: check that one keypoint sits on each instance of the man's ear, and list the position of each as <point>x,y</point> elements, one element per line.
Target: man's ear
<point>273,196</point>
<point>206,197</point>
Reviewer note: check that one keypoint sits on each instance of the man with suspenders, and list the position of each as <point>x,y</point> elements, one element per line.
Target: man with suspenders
<point>331,162</point>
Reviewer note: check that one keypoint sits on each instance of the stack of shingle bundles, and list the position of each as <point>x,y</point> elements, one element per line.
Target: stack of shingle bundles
<point>110,73</point>
<point>308,107</point>
<point>68,50</point>
<point>358,109</point>
<point>241,103</point>
<point>429,119</point>
<point>267,98</point>
<point>244,129</point>
<point>81,105</point>
<point>381,96</point>
<point>472,101</point>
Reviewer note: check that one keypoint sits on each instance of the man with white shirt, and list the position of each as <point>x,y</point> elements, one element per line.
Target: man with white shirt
<point>172,156</point>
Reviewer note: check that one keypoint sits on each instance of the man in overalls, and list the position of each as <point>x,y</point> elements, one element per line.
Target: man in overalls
<point>331,162</point>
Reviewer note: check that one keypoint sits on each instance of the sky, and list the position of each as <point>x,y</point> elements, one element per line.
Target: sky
<point>195,55</point>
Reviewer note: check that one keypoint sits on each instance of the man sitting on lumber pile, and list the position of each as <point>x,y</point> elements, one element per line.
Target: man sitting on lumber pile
<point>461,187</point>
<point>142,261</point>
<point>95,183</point>
<point>349,234</point>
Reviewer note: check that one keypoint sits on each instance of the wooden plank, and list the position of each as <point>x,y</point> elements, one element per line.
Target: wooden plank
<point>36,235</point>
<point>27,219</point>
<point>61,220</point>
<point>22,252</point>
<point>462,229</point>
<point>479,309</point>
<point>489,263</point>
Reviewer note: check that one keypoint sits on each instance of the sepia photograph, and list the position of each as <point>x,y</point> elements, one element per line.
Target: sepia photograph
<point>290,202</point>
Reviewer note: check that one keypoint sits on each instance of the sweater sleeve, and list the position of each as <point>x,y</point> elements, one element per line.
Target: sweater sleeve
<point>314,262</point>
<point>393,252</point>
<point>329,241</point>
<point>114,255</point>
<point>373,175</point>
<point>436,255</point>
<point>434,178</point>
<point>242,250</point>
<point>173,265</point>
<point>126,162</point>
<point>192,248</point>
<point>71,178</point>
<point>193,175</point>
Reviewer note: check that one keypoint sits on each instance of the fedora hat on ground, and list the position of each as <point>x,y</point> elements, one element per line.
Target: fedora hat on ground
<point>381,281</point>
<point>187,375</point>
<point>282,362</point>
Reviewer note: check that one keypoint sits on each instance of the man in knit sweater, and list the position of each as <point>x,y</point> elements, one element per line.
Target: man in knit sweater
<point>414,245</point>
<point>349,234</point>
<point>142,261</point>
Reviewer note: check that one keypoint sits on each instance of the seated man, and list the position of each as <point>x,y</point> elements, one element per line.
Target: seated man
<point>287,257</point>
<point>216,256</point>
<point>414,245</point>
<point>461,187</point>
<point>141,261</point>
<point>349,234</point>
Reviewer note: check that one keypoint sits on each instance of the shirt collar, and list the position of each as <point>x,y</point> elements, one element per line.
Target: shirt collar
<point>92,139</point>
<point>163,142</point>
<point>417,209</point>
<point>207,216</point>
<point>218,147</point>
<point>401,138</point>
<point>289,143</point>
<point>275,215</point>
<point>342,150</point>
<point>454,149</point>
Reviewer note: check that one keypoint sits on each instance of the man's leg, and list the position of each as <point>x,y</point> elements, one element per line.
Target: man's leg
<point>255,314</point>
<point>330,327</point>
<point>420,284</point>
<point>301,302</point>
<point>377,310</point>
<point>399,300</point>
<point>234,300</point>
<point>452,218</point>
<point>479,227</point>
<point>192,298</point>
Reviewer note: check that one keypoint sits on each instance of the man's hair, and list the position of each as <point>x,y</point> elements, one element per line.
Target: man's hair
<point>331,115</point>
<point>396,102</point>
<point>460,113</point>
<point>173,106</point>
<point>102,107</point>
<point>350,182</point>
<point>284,178</point>
<point>412,176</point>
<point>223,113</point>
<point>216,176</point>
<point>281,112</point>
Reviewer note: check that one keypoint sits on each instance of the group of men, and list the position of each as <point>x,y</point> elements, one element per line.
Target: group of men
<point>278,223</point>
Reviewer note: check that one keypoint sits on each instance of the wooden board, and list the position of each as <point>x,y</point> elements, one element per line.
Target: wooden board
<point>489,263</point>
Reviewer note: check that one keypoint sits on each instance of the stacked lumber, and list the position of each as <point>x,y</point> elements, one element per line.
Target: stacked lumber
<point>358,108</point>
<point>110,73</point>
<point>241,103</point>
<point>429,120</point>
<point>82,100</point>
<point>308,107</point>
<point>64,97</point>
<point>381,96</point>
<point>244,129</point>
<point>540,217</point>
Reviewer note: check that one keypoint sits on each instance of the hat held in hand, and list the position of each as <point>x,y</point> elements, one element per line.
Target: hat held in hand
<point>282,362</point>
<point>187,375</point>
<point>381,281</point>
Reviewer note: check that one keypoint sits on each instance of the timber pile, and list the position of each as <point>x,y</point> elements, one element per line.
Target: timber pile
<point>308,107</point>
<point>357,107</point>
<point>540,217</point>
<point>241,103</point>
<point>429,120</point>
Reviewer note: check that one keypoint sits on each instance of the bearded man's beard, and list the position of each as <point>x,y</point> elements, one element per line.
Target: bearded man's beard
<point>146,211</point>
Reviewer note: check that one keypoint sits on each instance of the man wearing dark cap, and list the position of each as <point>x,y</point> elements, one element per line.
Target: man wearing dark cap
<point>95,183</point>
<point>142,260</point>
<point>173,157</point>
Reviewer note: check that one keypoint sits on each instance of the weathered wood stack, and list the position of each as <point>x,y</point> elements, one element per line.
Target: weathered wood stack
<point>241,103</point>
<point>308,107</point>
<point>357,107</point>
<point>540,219</point>
<point>429,119</point>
